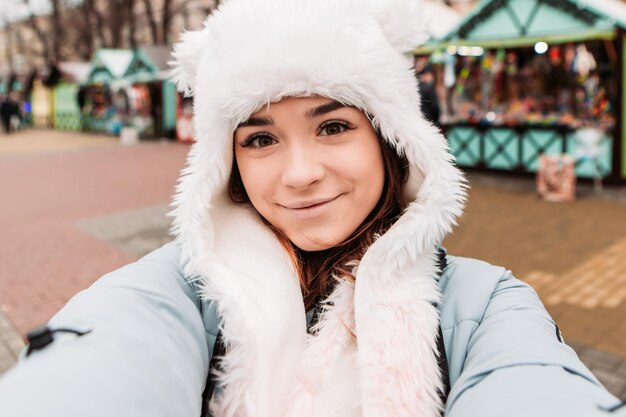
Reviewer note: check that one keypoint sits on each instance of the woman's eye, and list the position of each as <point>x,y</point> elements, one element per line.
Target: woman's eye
<point>260,141</point>
<point>333,128</point>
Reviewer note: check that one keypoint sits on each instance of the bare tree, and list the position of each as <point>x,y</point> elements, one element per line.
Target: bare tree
<point>75,29</point>
<point>8,46</point>
<point>38,30</point>
<point>154,31</point>
<point>52,35</point>
<point>116,22</point>
<point>166,21</point>
<point>132,23</point>
<point>57,31</point>
<point>160,24</point>
<point>85,39</point>
<point>99,18</point>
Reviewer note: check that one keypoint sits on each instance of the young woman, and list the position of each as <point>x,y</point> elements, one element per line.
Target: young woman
<point>307,258</point>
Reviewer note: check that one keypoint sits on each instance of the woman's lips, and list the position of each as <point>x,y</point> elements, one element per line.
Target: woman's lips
<point>311,208</point>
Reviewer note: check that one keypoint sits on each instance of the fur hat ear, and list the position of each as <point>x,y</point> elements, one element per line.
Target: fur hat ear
<point>187,55</point>
<point>402,22</point>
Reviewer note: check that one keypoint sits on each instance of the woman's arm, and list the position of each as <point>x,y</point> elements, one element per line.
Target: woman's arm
<point>146,352</point>
<point>516,365</point>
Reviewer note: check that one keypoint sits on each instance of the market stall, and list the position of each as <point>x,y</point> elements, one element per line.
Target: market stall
<point>101,110</point>
<point>520,79</point>
<point>39,89</point>
<point>151,96</point>
<point>66,109</point>
<point>131,88</point>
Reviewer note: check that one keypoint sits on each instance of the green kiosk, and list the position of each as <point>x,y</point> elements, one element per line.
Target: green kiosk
<point>522,78</point>
<point>131,88</point>
<point>66,113</point>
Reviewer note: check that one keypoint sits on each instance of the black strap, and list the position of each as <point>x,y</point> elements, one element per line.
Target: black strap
<point>317,314</point>
<point>219,349</point>
<point>442,261</point>
<point>40,337</point>
<point>442,361</point>
<point>442,358</point>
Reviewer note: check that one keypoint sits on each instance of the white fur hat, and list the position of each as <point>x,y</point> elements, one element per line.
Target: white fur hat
<point>254,52</point>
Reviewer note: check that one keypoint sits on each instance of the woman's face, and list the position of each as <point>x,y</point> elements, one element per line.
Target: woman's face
<point>312,167</point>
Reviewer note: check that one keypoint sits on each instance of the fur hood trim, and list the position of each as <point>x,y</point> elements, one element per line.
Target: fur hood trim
<point>375,354</point>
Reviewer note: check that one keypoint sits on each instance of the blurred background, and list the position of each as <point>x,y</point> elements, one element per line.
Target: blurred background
<point>530,94</point>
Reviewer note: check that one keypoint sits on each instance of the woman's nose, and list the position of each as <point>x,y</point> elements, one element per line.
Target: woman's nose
<point>302,168</point>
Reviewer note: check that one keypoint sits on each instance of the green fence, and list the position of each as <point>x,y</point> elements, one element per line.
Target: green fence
<point>517,149</point>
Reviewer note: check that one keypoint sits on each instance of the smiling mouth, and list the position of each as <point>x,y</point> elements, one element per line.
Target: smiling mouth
<point>310,209</point>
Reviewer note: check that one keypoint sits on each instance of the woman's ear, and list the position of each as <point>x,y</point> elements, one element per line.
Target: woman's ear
<point>187,55</point>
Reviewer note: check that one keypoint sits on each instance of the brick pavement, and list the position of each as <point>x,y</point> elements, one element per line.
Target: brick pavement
<point>46,257</point>
<point>10,344</point>
<point>135,232</point>
<point>106,205</point>
<point>608,368</point>
<point>46,141</point>
<point>572,253</point>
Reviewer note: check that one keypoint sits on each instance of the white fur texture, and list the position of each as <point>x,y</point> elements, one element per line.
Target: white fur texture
<point>375,352</point>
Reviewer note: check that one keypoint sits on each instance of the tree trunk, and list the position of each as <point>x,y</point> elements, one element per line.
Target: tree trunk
<point>85,33</point>
<point>152,22</point>
<point>171,11</point>
<point>166,21</point>
<point>132,23</point>
<point>43,39</point>
<point>57,31</point>
<point>95,14</point>
<point>9,45</point>
<point>116,21</point>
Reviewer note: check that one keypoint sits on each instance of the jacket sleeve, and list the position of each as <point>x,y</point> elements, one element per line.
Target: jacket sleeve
<point>517,366</point>
<point>145,355</point>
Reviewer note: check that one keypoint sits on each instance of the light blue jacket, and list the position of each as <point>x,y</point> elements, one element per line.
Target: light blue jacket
<point>151,340</point>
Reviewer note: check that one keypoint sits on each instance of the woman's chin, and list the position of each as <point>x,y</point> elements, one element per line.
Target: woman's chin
<point>313,246</point>
<point>314,243</point>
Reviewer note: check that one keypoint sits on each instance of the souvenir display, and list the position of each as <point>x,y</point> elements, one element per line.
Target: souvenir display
<point>569,85</point>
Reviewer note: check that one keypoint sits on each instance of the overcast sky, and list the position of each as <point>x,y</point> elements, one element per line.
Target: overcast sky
<point>11,10</point>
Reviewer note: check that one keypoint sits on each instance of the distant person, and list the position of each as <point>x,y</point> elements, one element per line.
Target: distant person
<point>6,112</point>
<point>10,113</point>
<point>307,278</point>
<point>15,111</point>
<point>429,100</point>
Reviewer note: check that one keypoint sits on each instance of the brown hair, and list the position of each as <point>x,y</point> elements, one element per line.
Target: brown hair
<point>316,269</point>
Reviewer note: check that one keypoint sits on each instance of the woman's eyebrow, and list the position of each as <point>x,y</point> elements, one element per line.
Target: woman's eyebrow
<point>256,121</point>
<point>323,109</point>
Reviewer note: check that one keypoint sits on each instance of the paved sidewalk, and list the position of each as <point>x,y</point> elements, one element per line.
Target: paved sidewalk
<point>608,368</point>
<point>71,214</point>
<point>50,195</point>
<point>11,344</point>
<point>572,253</point>
<point>134,232</point>
<point>29,142</point>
